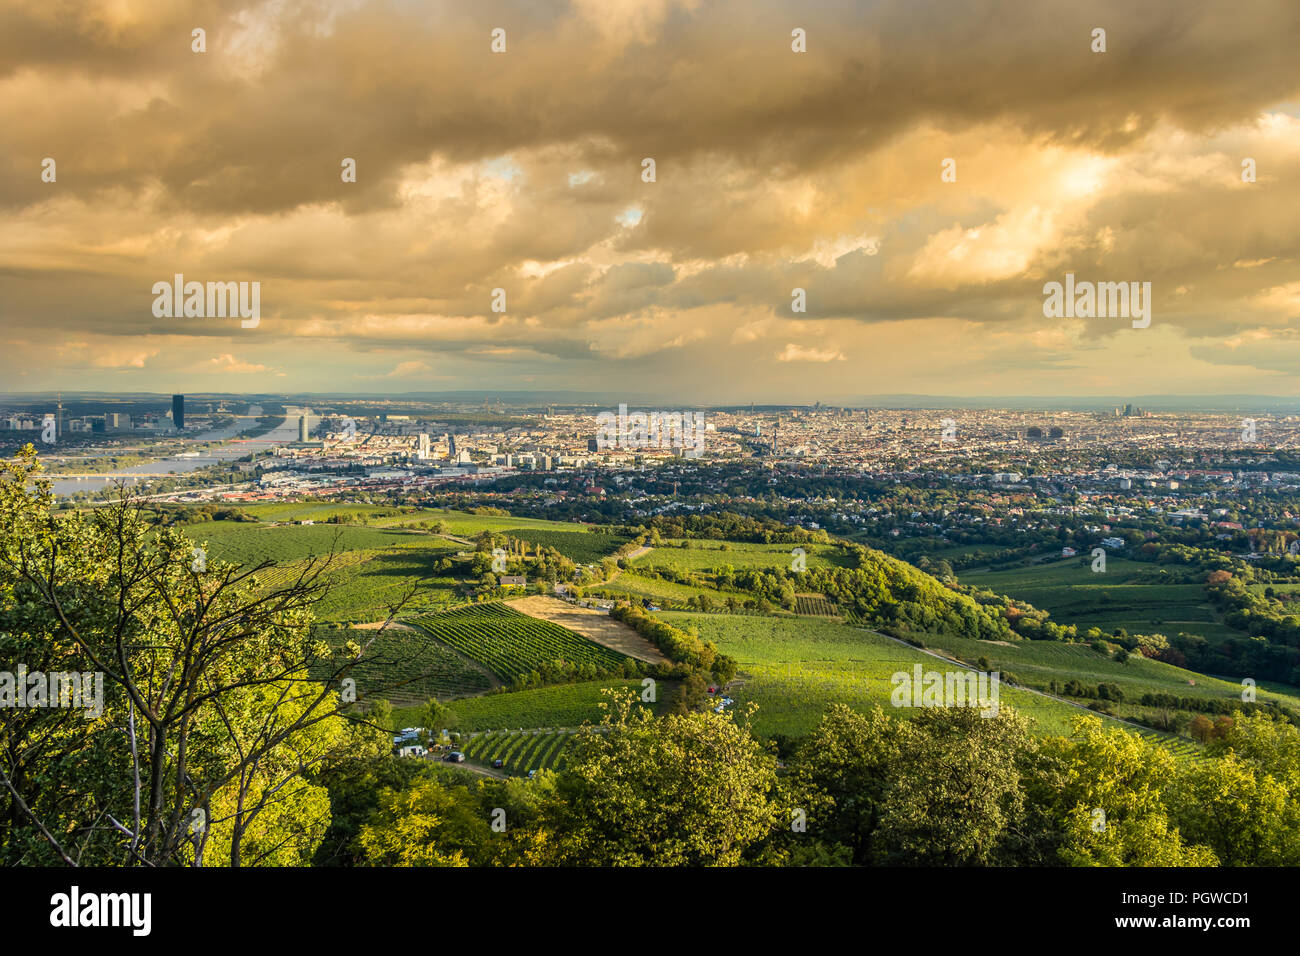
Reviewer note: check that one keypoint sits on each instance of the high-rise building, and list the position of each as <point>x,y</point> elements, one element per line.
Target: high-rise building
<point>303,429</point>
<point>423,452</point>
<point>178,412</point>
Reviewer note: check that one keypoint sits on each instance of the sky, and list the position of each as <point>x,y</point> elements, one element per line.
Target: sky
<point>774,170</point>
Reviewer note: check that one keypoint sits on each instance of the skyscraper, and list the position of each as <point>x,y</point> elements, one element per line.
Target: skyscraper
<point>303,429</point>
<point>178,412</point>
<point>423,452</point>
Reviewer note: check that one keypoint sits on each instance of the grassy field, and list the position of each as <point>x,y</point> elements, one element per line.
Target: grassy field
<point>1037,663</point>
<point>459,522</point>
<point>385,527</point>
<point>370,568</point>
<point>794,668</point>
<point>1074,594</point>
<point>375,566</point>
<point>367,591</point>
<point>639,586</point>
<point>510,644</point>
<point>467,525</point>
<point>244,542</point>
<point>704,555</point>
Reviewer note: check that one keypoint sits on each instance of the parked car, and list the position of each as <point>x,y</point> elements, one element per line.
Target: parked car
<point>498,764</point>
<point>531,774</point>
<point>455,757</point>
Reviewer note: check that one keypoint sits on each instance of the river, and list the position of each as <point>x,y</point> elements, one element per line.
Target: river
<point>181,464</point>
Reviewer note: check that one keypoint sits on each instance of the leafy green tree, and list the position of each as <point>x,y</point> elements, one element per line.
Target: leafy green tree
<point>1238,810</point>
<point>437,717</point>
<point>1101,793</point>
<point>355,787</point>
<point>842,772</point>
<point>957,791</point>
<point>426,824</point>
<point>684,790</point>
<point>212,728</point>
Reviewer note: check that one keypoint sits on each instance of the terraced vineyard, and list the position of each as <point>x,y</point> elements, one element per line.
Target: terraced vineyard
<point>522,750</point>
<point>814,605</point>
<point>407,666</point>
<point>555,705</point>
<point>513,645</point>
<point>366,591</point>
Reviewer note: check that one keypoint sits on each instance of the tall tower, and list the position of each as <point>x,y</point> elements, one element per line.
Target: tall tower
<point>303,429</point>
<point>59,426</point>
<point>178,412</point>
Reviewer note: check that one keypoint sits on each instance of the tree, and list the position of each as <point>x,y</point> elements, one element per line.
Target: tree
<point>218,706</point>
<point>1200,728</point>
<point>683,790</point>
<point>1100,794</point>
<point>427,824</point>
<point>1239,811</point>
<point>842,772</point>
<point>437,717</point>
<point>957,791</point>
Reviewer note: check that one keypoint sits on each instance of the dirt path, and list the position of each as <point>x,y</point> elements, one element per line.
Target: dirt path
<point>477,768</point>
<point>639,552</point>
<point>591,624</point>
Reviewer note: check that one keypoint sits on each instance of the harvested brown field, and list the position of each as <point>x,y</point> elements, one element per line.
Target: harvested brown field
<point>591,624</point>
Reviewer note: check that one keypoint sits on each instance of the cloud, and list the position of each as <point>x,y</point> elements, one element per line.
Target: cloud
<point>228,363</point>
<point>522,171</point>
<point>800,353</point>
<point>413,367</point>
